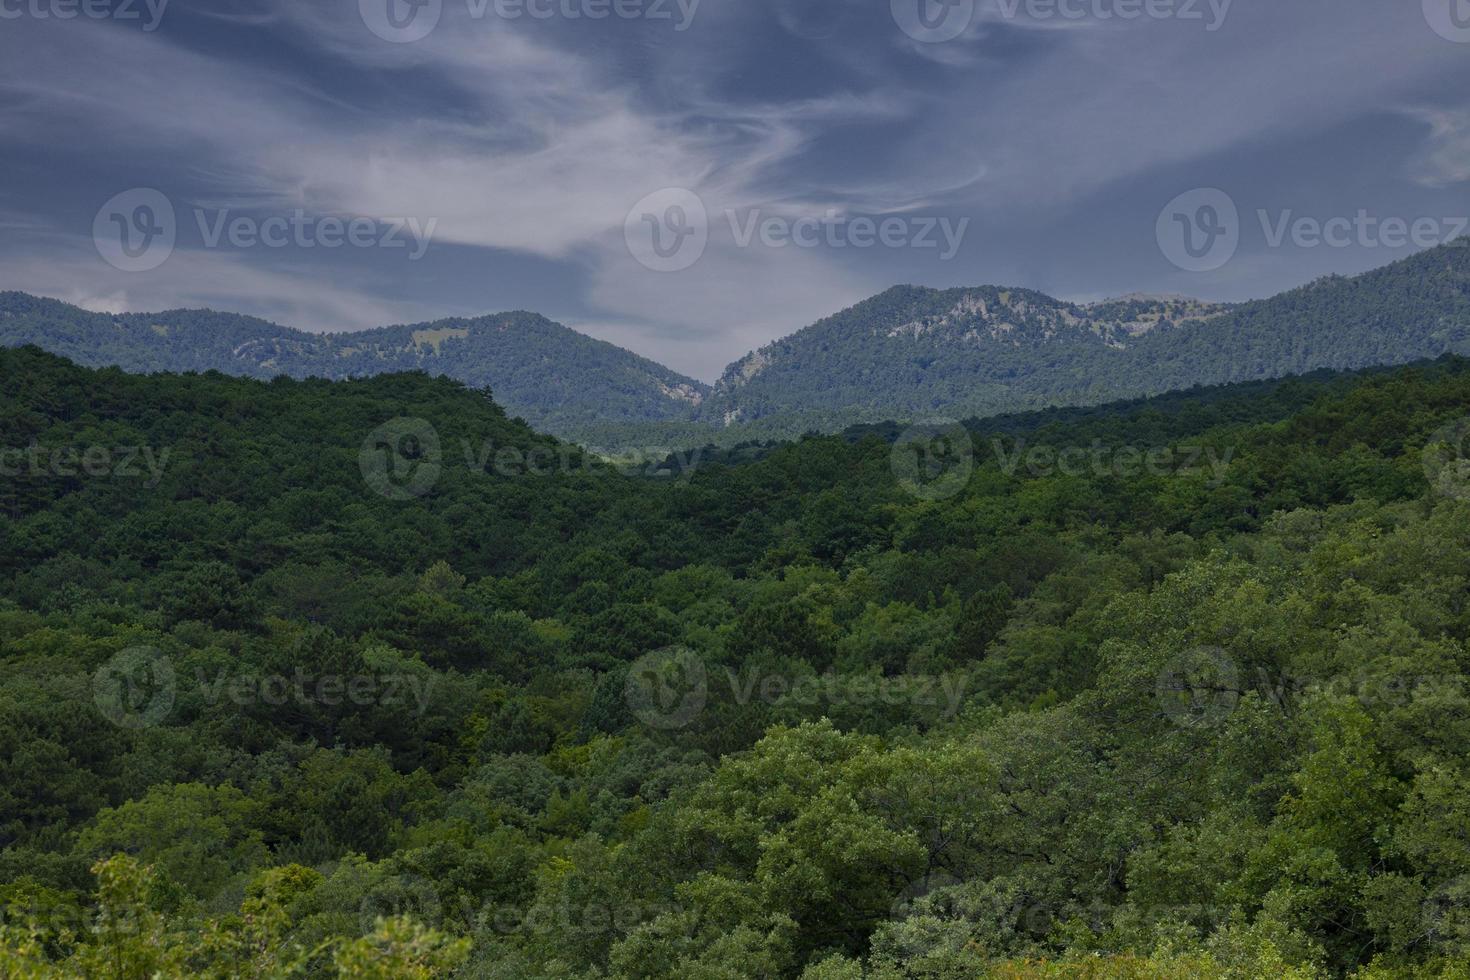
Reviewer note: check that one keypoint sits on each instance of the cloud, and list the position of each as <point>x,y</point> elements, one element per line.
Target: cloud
<point>533,139</point>
<point>1089,107</point>
<point>195,279</point>
<point>1446,158</point>
<point>542,153</point>
<point>731,301</point>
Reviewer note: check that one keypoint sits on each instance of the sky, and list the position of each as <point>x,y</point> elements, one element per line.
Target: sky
<point>691,179</point>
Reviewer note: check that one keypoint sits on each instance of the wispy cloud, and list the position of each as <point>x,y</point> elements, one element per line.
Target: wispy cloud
<point>1446,158</point>
<point>529,141</point>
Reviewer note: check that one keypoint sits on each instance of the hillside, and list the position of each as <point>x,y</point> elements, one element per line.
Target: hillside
<point>908,353</point>
<point>913,352</point>
<point>557,379</point>
<point>1190,705</point>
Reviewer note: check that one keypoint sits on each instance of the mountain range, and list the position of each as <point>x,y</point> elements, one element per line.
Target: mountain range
<point>912,352</point>
<point>550,375</point>
<point>907,353</point>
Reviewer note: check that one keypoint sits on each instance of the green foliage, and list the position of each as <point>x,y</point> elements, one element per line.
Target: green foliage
<point>259,719</point>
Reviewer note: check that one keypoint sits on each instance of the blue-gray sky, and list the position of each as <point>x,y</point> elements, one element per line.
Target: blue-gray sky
<point>1051,133</point>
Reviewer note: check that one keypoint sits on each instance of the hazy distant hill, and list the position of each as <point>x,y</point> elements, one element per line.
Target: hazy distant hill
<point>557,379</point>
<point>907,353</point>
<point>912,352</point>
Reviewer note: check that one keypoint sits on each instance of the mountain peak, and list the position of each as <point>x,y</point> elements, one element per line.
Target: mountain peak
<point>543,371</point>
<point>913,352</point>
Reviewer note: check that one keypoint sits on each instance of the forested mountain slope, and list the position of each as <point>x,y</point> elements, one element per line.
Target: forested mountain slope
<point>908,353</point>
<point>913,352</point>
<point>554,377</point>
<point>364,678</point>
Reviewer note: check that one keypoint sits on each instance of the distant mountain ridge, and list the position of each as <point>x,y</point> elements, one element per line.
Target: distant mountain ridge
<point>913,351</point>
<point>908,353</point>
<point>554,377</point>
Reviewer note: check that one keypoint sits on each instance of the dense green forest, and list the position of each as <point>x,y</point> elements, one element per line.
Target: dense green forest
<point>364,678</point>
